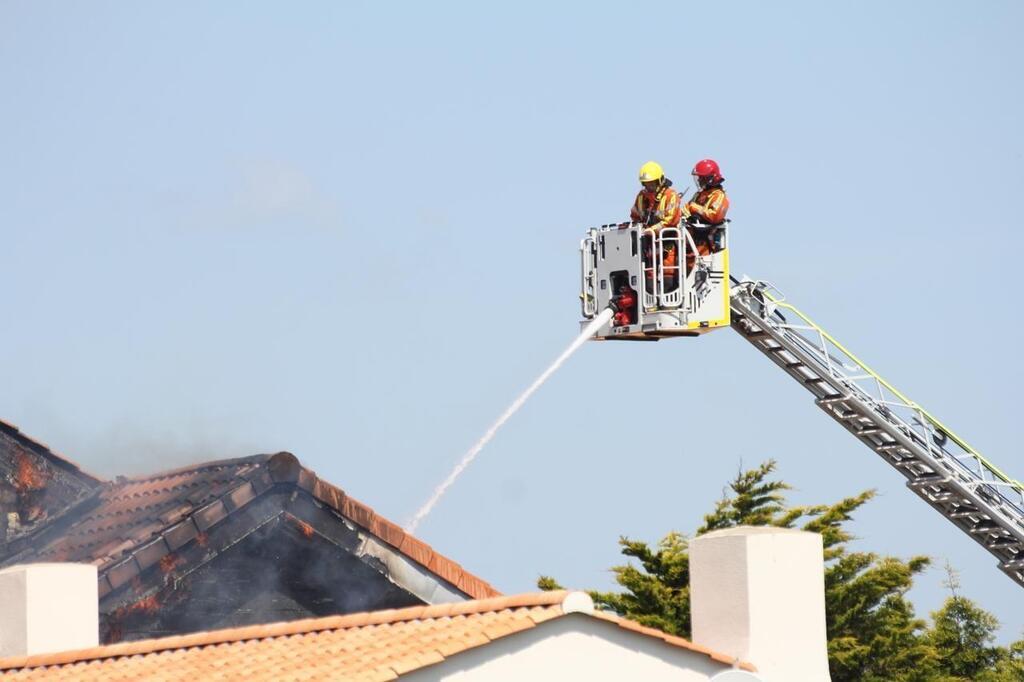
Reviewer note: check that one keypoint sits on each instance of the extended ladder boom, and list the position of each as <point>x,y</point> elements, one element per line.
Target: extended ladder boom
<point>941,468</point>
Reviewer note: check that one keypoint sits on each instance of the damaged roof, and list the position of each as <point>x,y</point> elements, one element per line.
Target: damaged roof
<point>381,645</point>
<point>13,440</point>
<point>36,484</point>
<point>128,526</point>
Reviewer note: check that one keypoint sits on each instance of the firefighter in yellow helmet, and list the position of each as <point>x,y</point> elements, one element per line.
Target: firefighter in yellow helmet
<point>657,205</point>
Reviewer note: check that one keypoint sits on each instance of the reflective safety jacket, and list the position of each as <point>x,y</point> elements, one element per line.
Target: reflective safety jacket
<point>710,205</point>
<point>663,206</point>
<point>669,262</point>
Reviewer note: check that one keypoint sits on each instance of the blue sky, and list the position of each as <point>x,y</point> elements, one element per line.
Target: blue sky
<point>349,230</point>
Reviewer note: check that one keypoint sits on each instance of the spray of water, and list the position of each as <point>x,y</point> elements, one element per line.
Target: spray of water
<point>471,454</point>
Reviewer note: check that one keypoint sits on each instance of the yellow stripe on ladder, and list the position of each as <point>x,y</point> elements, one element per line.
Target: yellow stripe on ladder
<point>935,422</point>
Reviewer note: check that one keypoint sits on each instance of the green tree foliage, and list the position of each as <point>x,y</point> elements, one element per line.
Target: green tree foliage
<point>658,593</point>
<point>547,583</point>
<point>963,634</point>
<point>873,634</point>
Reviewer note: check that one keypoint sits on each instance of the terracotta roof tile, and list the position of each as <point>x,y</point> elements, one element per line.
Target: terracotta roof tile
<point>373,646</point>
<point>416,550</point>
<point>388,532</point>
<point>449,570</point>
<point>358,512</point>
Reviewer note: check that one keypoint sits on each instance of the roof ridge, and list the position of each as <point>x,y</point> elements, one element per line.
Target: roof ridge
<point>13,430</point>
<point>197,466</point>
<point>382,528</point>
<point>288,628</point>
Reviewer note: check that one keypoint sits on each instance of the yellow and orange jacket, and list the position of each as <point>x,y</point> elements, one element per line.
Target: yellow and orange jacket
<point>663,206</point>
<point>710,205</point>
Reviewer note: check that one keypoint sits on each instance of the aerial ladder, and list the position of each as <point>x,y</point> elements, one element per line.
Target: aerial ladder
<point>658,294</point>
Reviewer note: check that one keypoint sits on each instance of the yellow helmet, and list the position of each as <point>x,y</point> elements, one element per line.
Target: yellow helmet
<point>651,171</point>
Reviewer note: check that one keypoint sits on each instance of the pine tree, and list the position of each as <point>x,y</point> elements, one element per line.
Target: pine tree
<point>872,631</point>
<point>964,634</point>
<point>658,593</point>
<point>1009,668</point>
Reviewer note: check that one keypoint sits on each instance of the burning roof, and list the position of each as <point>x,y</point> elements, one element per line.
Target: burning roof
<point>229,543</point>
<point>36,484</point>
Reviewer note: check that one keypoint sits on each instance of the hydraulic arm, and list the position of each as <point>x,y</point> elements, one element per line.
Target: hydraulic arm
<point>940,467</point>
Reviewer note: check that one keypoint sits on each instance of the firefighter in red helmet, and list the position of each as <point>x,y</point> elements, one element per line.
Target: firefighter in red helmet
<point>710,204</point>
<point>705,212</point>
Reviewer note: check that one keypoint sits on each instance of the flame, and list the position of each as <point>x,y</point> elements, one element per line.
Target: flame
<point>168,563</point>
<point>27,477</point>
<point>146,605</point>
<point>304,528</point>
<point>115,622</point>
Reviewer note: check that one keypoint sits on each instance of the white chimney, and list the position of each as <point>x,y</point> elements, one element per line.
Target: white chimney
<point>758,593</point>
<point>48,607</point>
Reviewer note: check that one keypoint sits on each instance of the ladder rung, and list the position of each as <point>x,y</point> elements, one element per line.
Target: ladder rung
<point>891,447</point>
<point>983,527</point>
<point>1003,542</point>
<point>867,432</point>
<point>813,380</point>
<point>927,480</point>
<point>832,399</point>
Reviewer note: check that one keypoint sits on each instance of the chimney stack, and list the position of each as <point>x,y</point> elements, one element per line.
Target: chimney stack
<point>46,608</point>
<point>758,593</point>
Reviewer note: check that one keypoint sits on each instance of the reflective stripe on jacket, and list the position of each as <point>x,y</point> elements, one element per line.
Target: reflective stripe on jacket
<point>710,205</point>
<point>662,207</point>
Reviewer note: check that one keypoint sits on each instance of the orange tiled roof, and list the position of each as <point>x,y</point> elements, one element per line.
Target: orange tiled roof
<point>380,645</point>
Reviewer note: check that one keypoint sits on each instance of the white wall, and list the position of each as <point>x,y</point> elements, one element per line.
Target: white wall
<point>573,647</point>
<point>758,593</point>
<point>48,607</point>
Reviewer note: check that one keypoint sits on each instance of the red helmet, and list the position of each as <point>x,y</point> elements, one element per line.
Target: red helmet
<point>707,173</point>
